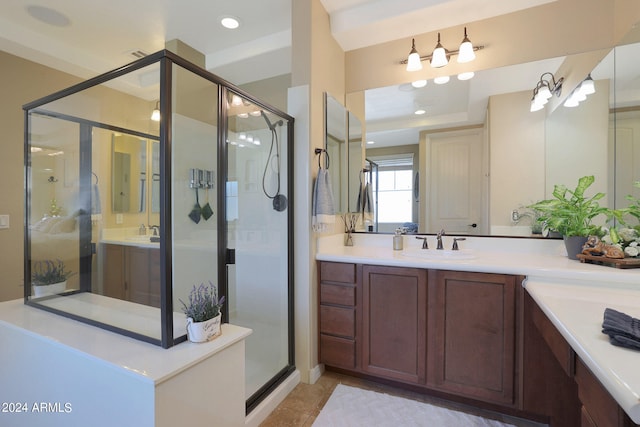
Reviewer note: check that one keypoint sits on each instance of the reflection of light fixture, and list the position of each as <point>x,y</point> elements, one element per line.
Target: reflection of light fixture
<point>242,135</point>
<point>256,141</point>
<point>579,94</point>
<point>35,149</point>
<point>236,100</point>
<point>545,89</point>
<point>419,83</point>
<point>441,80</point>
<point>250,138</point>
<point>255,113</point>
<point>243,115</point>
<point>155,115</point>
<point>466,76</point>
<point>413,60</point>
<point>466,53</point>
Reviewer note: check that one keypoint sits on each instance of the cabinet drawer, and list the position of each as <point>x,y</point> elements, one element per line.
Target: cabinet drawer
<point>337,272</point>
<point>338,352</point>
<point>554,339</point>
<point>337,321</point>
<point>336,294</point>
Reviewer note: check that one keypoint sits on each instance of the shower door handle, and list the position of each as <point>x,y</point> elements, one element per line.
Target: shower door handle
<point>231,256</point>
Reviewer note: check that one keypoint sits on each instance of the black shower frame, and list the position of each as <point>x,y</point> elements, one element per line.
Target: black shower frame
<point>167,59</point>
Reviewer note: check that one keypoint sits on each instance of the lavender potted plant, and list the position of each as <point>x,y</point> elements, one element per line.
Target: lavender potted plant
<point>203,313</point>
<point>49,277</point>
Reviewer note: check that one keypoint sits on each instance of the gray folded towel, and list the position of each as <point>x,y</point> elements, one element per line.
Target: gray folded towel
<point>323,208</point>
<point>623,330</point>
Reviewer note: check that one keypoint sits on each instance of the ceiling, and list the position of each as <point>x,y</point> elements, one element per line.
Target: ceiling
<point>84,39</point>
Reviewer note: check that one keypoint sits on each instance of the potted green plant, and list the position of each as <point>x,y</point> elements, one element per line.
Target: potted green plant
<point>571,214</point>
<point>49,277</point>
<point>203,313</point>
<point>627,236</point>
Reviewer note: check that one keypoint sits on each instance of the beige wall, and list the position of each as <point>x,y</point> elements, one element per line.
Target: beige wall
<point>22,81</point>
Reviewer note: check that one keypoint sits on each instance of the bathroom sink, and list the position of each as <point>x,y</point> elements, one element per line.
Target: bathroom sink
<point>140,239</point>
<point>440,255</point>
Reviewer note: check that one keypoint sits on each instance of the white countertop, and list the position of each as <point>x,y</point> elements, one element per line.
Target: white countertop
<point>572,294</point>
<point>577,311</point>
<point>143,360</point>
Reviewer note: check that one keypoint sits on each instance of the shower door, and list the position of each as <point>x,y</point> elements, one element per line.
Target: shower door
<point>258,242</point>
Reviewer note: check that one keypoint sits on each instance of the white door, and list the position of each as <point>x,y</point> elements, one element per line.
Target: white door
<point>454,199</point>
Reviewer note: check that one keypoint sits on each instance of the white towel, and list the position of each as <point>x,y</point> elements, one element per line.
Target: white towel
<point>95,200</point>
<point>323,207</point>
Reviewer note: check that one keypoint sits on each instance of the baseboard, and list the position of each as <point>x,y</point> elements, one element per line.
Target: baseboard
<point>262,411</point>
<point>316,373</point>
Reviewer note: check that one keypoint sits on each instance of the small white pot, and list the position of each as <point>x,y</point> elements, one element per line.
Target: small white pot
<point>52,289</point>
<point>204,331</point>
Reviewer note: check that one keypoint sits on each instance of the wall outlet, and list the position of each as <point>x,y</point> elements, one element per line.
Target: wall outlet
<point>119,219</point>
<point>4,221</point>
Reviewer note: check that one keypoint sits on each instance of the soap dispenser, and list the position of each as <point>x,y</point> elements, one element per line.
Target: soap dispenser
<point>398,240</point>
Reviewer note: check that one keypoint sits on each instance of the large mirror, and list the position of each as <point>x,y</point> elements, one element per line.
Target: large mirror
<point>135,176</point>
<point>479,170</point>
<point>336,151</point>
<point>357,178</point>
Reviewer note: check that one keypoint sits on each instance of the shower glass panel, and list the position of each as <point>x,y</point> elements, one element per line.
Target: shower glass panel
<point>257,217</point>
<point>194,211</point>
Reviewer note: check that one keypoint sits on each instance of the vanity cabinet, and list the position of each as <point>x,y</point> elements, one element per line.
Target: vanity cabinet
<point>443,331</point>
<point>132,273</point>
<point>472,334</point>
<point>394,323</point>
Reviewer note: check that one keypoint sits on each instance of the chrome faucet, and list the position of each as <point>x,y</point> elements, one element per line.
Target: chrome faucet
<point>439,239</point>
<point>424,242</point>
<point>455,243</point>
<point>155,230</point>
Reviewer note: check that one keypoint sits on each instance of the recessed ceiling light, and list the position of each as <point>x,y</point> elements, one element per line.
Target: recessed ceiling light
<point>371,142</point>
<point>419,112</point>
<point>230,22</point>
<point>419,83</point>
<point>48,16</point>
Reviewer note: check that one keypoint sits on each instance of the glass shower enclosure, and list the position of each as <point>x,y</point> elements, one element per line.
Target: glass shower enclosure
<point>130,212</point>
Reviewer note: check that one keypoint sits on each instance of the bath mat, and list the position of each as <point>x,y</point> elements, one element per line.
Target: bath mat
<point>351,407</point>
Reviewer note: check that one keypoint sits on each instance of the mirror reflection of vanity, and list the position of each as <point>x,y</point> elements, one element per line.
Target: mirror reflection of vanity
<point>523,153</point>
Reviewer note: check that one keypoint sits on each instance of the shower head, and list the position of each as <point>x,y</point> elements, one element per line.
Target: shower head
<point>266,119</point>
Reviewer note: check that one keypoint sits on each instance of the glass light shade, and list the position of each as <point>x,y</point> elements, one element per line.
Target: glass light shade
<point>441,80</point>
<point>579,95</point>
<point>439,58</point>
<point>466,53</point>
<point>413,61</point>
<point>571,102</point>
<point>536,106</point>
<point>155,115</point>
<point>466,76</point>
<point>419,83</point>
<point>587,87</point>
<point>544,92</point>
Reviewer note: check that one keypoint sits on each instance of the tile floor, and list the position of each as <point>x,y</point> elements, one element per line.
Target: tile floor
<point>301,407</point>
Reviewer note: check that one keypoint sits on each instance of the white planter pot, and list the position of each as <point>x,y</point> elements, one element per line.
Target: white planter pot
<point>204,331</point>
<point>52,289</point>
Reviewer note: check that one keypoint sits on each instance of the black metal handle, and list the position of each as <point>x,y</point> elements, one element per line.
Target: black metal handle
<point>474,225</point>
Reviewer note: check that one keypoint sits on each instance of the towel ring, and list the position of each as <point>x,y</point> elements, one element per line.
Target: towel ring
<point>319,152</point>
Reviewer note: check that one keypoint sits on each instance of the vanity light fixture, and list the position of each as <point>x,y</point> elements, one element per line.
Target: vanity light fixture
<point>440,56</point>
<point>587,86</point>
<point>155,115</point>
<point>544,90</point>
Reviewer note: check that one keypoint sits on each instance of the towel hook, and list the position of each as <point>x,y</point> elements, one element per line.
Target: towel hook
<point>319,152</point>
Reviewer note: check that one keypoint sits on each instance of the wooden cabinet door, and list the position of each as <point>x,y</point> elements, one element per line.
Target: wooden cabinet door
<point>113,272</point>
<point>472,335</point>
<point>137,267</point>
<point>394,322</point>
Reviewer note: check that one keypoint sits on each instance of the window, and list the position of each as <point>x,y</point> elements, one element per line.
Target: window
<point>394,195</point>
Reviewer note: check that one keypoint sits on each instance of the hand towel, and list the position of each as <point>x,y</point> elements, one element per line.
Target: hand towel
<point>623,330</point>
<point>95,200</point>
<point>323,208</point>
